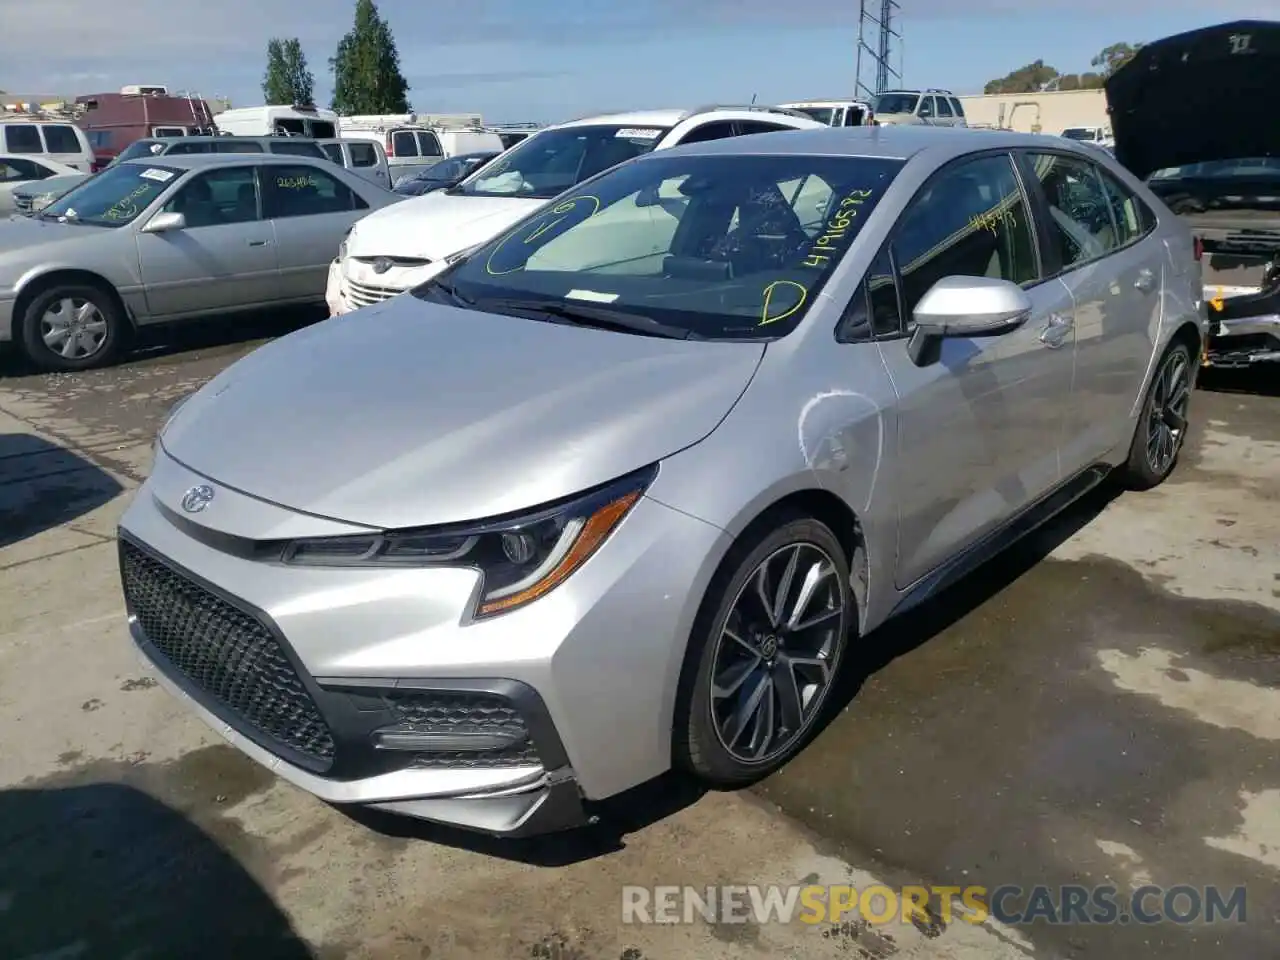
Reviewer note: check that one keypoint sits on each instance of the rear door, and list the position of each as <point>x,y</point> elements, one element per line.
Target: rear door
<point>1113,267</point>
<point>64,143</point>
<point>310,210</point>
<point>224,259</point>
<point>366,160</point>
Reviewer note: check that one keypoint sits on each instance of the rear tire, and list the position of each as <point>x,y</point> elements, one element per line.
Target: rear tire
<point>763,672</point>
<point>1162,424</point>
<point>73,326</point>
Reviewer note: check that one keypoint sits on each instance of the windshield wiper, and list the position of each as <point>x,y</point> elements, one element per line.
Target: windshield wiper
<point>597,317</point>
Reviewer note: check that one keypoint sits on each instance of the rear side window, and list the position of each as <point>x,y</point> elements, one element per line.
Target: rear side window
<point>22,138</point>
<point>322,130</point>
<point>303,191</point>
<point>295,148</point>
<point>1080,220</point>
<point>717,130</point>
<point>746,127</point>
<point>363,155</point>
<point>957,106</point>
<point>61,139</point>
<point>429,144</point>
<point>1133,217</point>
<point>404,143</point>
<point>944,107</point>
<point>196,147</point>
<point>334,152</point>
<point>970,220</point>
<point>232,146</point>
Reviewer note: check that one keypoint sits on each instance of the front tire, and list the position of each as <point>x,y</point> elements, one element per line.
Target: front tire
<point>1162,425</point>
<point>764,653</point>
<point>72,327</point>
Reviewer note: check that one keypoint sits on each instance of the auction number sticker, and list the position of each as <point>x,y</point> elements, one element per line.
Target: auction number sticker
<point>637,133</point>
<point>161,176</point>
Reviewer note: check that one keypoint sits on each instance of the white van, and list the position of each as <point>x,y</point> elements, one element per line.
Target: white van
<point>414,142</point>
<point>364,158</point>
<point>60,142</point>
<point>278,121</point>
<point>836,113</point>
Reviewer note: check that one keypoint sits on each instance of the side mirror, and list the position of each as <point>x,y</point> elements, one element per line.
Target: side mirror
<point>965,307</point>
<point>165,222</point>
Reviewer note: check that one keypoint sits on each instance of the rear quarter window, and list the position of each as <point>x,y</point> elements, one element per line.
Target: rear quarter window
<point>61,139</point>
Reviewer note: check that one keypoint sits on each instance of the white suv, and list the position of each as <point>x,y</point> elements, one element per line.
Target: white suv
<point>405,244</point>
<point>934,107</point>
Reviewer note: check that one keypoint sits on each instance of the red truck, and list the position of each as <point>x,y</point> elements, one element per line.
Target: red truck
<point>112,121</point>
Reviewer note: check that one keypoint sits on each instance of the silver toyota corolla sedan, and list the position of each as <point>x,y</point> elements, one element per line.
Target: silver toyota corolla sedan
<point>619,491</point>
<point>171,238</point>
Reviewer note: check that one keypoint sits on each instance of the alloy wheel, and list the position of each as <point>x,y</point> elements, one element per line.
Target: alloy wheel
<point>773,662</point>
<point>1167,421</point>
<point>73,328</point>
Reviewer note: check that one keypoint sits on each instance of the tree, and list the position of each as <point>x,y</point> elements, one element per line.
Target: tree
<point>287,80</point>
<point>1114,57</point>
<point>366,67</point>
<point>1026,79</point>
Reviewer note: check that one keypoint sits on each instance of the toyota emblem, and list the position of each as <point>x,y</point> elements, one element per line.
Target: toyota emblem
<point>381,265</point>
<point>197,498</point>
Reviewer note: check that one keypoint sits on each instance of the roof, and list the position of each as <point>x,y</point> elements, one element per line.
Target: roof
<point>892,142</point>
<point>199,161</point>
<point>638,118</point>
<point>225,138</point>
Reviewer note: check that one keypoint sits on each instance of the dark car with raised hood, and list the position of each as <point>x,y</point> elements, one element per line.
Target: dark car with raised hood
<point>1189,116</point>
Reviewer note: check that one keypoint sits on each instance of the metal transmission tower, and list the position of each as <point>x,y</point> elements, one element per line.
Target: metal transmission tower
<point>880,17</point>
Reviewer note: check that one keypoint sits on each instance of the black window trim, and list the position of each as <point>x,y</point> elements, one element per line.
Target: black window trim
<point>773,125</point>
<point>1034,214</point>
<point>1051,254</point>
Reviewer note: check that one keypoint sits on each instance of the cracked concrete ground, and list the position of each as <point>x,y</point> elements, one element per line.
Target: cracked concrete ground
<point>1101,705</point>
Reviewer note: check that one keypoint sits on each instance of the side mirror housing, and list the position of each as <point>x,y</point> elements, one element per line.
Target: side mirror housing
<point>165,222</point>
<point>965,307</point>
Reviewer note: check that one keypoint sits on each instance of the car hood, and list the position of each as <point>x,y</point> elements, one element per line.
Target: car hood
<point>436,225</point>
<point>414,414</point>
<point>59,185</point>
<point>24,240</point>
<point>1197,96</point>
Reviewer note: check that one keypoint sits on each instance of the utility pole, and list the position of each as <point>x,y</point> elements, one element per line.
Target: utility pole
<point>879,17</point>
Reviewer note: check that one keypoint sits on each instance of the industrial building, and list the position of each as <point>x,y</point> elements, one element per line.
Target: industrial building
<point>1049,112</point>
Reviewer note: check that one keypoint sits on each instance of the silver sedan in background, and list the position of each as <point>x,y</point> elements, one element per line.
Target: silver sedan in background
<point>171,238</point>
<point>620,489</point>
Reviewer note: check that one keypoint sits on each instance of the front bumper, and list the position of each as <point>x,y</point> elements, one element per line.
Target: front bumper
<point>362,686</point>
<point>353,284</point>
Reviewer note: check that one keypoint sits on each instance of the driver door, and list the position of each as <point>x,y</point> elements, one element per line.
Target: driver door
<point>224,258</point>
<point>978,430</point>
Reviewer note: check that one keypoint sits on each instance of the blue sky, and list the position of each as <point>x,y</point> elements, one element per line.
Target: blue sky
<point>552,59</point>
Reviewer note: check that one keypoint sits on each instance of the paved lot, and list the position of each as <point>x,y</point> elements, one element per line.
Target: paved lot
<point>1102,706</point>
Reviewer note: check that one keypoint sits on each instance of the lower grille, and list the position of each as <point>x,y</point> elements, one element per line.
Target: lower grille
<point>458,714</point>
<point>22,204</point>
<point>367,294</point>
<point>225,652</point>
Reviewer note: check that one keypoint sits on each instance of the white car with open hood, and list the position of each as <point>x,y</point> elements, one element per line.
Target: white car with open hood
<point>390,252</point>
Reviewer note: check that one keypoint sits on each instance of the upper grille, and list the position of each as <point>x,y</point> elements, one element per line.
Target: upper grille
<point>227,653</point>
<point>22,203</point>
<point>366,294</point>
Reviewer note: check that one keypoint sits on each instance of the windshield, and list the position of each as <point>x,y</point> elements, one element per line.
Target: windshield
<point>713,247</point>
<point>139,148</point>
<point>1079,133</point>
<point>114,197</point>
<point>545,166</point>
<point>896,103</point>
<point>1222,169</point>
<point>821,114</point>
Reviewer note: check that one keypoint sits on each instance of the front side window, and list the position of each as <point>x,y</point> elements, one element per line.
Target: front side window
<point>168,131</point>
<point>1080,223</point>
<point>196,146</point>
<point>115,197</point>
<point>824,115</point>
<point>20,170</point>
<point>59,138</point>
<point>747,127</point>
<point>897,103</point>
<point>231,146</point>
<point>725,247</point>
<point>297,148</point>
<point>362,154</point>
<point>218,197</point>
<point>334,152</point>
<point>305,191</point>
<point>290,127</point>
<point>970,220</point>
<point>321,129</point>
<point>545,166</point>
<point>716,130</point>
<point>22,138</point>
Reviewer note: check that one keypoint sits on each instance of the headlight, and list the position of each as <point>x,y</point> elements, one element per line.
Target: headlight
<point>520,558</point>
<point>173,412</point>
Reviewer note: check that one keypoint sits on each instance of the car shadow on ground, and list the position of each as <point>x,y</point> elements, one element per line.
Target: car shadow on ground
<point>1262,380</point>
<point>657,799</point>
<point>43,485</point>
<point>105,870</point>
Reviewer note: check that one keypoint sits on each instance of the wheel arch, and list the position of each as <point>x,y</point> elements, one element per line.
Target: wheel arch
<point>33,286</point>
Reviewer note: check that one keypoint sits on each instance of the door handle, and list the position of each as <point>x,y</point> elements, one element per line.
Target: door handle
<point>1054,333</point>
<point>258,243</point>
<point>1146,280</point>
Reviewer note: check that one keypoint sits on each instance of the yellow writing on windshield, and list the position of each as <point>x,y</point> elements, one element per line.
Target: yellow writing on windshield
<point>126,208</point>
<point>535,229</point>
<point>797,292</point>
<point>296,183</point>
<point>835,230</point>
